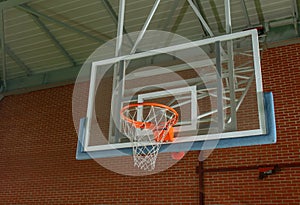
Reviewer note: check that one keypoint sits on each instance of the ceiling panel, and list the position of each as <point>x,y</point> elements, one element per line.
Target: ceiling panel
<point>32,45</point>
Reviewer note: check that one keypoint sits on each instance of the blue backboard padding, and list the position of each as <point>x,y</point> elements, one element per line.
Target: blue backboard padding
<point>268,138</point>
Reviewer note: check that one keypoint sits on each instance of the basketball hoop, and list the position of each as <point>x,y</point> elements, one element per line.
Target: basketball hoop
<point>148,125</point>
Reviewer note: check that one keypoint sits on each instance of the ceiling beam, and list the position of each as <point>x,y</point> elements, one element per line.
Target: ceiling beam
<point>44,28</point>
<point>2,33</point>
<point>7,51</point>
<point>42,80</point>
<point>202,20</point>
<point>12,3</point>
<point>30,10</point>
<point>111,11</point>
<point>216,15</point>
<point>245,13</point>
<point>201,10</point>
<point>228,22</point>
<point>259,12</point>
<point>18,61</point>
<point>170,15</point>
<point>295,10</point>
<point>298,7</point>
<point>179,18</point>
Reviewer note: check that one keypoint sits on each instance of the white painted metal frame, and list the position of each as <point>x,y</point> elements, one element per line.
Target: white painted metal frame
<point>202,20</point>
<point>145,26</point>
<point>183,46</point>
<point>259,89</point>
<point>117,67</point>
<point>173,92</point>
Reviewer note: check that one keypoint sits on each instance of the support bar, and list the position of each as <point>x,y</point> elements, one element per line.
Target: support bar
<point>118,77</point>
<point>120,27</point>
<point>146,24</point>
<point>115,17</point>
<point>206,26</point>
<point>219,87</point>
<point>201,10</point>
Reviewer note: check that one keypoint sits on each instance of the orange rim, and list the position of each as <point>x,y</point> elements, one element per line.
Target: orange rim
<point>140,124</point>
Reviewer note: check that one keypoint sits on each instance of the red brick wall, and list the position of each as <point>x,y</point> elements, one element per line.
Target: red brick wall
<point>38,144</point>
<point>281,75</point>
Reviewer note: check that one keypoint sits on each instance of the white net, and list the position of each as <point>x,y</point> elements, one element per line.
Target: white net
<point>147,126</point>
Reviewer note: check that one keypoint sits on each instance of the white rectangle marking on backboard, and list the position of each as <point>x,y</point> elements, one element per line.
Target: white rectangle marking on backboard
<point>173,92</point>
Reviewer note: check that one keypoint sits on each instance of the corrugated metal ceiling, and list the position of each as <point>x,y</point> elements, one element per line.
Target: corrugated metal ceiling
<point>43,36</point>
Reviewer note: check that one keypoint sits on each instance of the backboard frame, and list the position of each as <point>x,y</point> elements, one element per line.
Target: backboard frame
<point>267,127</point>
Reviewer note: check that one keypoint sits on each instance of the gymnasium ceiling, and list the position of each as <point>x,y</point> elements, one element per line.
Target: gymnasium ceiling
<point>46,42</point>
